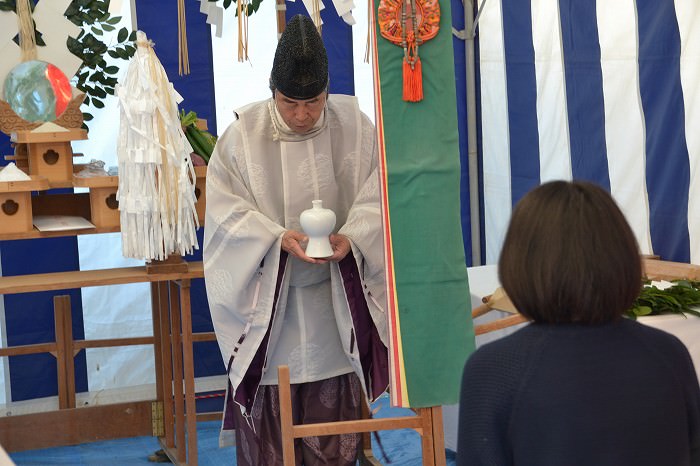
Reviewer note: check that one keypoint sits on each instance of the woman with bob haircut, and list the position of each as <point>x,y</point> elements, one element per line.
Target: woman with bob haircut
<point>580,385</point>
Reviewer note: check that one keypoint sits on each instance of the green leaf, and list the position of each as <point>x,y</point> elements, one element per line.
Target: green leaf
<point>114,20</point>
<point>98,103</point>
<point>123,34</point>
<point>681,298</point>
<point>122,53</point>
<point>39,39</point>
<point>87,116</point>
<point>112,69</point>
<point>642,311</point>
<point>113,54</point>
<point>108,28</point>
<point>74,47</point>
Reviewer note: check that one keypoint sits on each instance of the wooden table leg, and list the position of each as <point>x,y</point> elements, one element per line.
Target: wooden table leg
<point>161,308</point>
<point>188,359</point>
<point>178,396</point>
<point>157,341</point>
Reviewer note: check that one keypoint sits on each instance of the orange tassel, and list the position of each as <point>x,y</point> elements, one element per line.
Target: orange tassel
<point>412,81</point>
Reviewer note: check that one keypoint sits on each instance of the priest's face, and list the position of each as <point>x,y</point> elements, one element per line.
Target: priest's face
<point>300,115</point>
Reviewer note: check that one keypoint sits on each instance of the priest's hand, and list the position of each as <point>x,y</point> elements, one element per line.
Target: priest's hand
<point>341,247</point>
<point>292,242</point>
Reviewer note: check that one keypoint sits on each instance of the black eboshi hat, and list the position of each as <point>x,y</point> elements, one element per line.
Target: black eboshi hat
<point>300,67</point>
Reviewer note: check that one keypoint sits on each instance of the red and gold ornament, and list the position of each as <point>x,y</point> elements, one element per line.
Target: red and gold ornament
<point>409,23</point>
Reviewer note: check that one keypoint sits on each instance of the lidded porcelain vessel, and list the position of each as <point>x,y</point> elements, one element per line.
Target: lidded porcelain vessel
<point>318,224</point>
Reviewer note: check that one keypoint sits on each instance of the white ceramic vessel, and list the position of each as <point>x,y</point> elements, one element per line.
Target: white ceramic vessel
<point>318,222</point>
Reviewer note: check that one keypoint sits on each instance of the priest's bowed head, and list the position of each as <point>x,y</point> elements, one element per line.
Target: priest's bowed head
<point>299,78</point>
<point>300,67</point>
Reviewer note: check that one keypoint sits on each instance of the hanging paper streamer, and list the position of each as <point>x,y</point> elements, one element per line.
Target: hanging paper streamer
<point>156,178</point>
<point>409,23</point>
<point>215,15</point>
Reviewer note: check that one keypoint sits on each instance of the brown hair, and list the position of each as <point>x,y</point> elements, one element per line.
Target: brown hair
<point>570,256</point>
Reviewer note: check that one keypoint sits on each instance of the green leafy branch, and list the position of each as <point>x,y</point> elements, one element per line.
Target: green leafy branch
<point>95,77</point>
<point>681,298</point>
<point>251,8</point>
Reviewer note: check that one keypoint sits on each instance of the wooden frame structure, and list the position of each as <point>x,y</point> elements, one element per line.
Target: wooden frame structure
<point>48,157</point>
<point>166,417</point>
<point>427,422</point>
<point>656,269</point>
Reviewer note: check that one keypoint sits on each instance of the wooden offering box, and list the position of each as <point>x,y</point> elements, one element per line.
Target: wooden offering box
<point>16,204</point>
<point>104,207</point>
<point>50,154</point>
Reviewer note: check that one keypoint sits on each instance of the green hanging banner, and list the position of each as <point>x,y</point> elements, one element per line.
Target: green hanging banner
<point>431,333</point>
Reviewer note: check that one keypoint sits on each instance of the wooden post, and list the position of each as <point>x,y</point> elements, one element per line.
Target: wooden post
<point>285,394</point>
<point>426,435</point>
<point>157,350</point>
<point>176,348</point>
<point>166,363</point>
<point>64,352</point>
<point>438,436</point>
<point>281,8</point>
<point>188,360</point>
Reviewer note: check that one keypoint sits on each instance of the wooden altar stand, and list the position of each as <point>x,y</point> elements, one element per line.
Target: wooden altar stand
<point>171,417</point>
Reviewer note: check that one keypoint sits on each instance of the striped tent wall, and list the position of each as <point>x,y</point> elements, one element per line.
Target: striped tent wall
<point>605,91</point>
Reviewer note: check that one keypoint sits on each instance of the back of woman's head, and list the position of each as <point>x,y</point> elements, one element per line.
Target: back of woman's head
<point>570,256</point>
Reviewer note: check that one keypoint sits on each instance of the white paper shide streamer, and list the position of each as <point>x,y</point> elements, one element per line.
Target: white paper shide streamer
<point>156,177</point>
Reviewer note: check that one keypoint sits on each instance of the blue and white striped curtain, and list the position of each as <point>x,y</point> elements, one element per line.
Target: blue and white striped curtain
<point>601,90</point>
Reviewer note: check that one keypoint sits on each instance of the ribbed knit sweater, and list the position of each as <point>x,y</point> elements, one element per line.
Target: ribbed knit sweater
<point>620,394</point>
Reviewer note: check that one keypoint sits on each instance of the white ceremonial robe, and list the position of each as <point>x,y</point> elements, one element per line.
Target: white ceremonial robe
<point>259,180</point>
